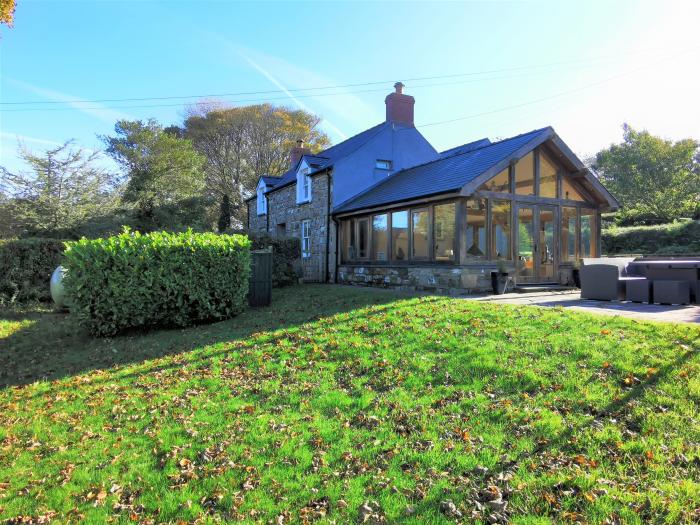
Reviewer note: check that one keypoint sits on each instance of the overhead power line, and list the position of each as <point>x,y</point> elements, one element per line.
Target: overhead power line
<point>556,95</point>
<point>297,90</point>
<point>265,99</point>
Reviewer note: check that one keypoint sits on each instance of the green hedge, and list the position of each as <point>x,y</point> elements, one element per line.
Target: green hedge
<point>676,238</point>
<point>158,279</point>
<point>26,266</point>
<point>286,255</point>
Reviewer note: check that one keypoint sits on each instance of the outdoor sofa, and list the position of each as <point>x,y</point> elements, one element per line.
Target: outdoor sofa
<point>605,279</point>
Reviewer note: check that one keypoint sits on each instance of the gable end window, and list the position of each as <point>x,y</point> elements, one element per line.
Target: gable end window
<point>306,238</point>
<point>303,186</point>
<point>382,164</point>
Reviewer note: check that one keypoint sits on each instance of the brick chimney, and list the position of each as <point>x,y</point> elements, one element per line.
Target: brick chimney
<point>399,107</point>
<point>297,152</point>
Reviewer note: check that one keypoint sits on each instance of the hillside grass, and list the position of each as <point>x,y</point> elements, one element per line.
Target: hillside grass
<point>341,405</point>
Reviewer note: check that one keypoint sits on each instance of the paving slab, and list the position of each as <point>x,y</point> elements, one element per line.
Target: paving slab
<point>572,299</point>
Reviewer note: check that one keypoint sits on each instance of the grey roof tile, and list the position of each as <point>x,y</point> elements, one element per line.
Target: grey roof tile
<point>449,173</point>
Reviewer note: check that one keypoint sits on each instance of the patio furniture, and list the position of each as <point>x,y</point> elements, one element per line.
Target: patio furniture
<point>686,269</point>
<point>639,291</point>
<point>605,279</point>
<point>671,292</point>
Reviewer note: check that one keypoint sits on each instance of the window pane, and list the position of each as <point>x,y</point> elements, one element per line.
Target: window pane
<point>419,220</point>
<point>589,234</point>
<point>363,238</point>
<point>569,191</point>
<point>305,240</point>
<point>444,232</point>
<point>525,175</point>
<point>500,229</point>
<point>526,242</point>
<point>380,237</point>
<point>476,228</point>
<point>399,235</point>
<point>568,233</point>
<point>548,177</point>
<point>348,235</point>
<point>500,183</point>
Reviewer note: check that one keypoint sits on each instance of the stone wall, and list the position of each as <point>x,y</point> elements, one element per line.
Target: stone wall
<point>256,223</point>
<point>454,280</point>
<point>441,279</point>
<point>285,217</point>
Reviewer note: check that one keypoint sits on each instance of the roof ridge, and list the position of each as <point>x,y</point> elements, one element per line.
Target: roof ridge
<point>465,144</point>
<point>475,149</point>
<point>349,138</point>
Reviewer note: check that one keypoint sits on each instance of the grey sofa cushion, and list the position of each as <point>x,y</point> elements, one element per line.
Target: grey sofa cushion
<point>602,282</point>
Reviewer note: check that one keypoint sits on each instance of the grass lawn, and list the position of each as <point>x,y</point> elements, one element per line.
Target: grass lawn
<point>345,405</point>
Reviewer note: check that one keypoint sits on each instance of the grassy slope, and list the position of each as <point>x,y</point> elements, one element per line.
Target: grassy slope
<point>401,403</point>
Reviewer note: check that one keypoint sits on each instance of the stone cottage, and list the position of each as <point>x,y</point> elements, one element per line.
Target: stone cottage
<point>385,208</point>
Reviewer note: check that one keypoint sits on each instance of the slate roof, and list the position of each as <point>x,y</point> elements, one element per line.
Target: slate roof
<point>446,174</point>
<point>465,148</point>
<point>328,157</point>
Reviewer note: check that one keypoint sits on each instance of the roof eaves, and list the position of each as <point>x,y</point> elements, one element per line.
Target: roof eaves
<point>394,202</point>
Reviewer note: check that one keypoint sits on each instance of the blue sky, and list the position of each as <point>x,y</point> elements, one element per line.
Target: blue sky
<point>582,67</point>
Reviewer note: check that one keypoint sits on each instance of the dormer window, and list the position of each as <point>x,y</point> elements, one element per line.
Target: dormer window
<point>303,185</point>
<point>383,164</point>
<point>262,201</point>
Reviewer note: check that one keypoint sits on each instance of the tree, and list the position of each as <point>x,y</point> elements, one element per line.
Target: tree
<point>64,187</point>
<point>241,144</point>
<point>7,12</point>
<point>161,169</point>
<point>654,179</point>
<point>224,214</point>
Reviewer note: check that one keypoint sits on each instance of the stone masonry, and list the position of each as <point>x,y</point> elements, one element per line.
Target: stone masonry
<point>284,218</point>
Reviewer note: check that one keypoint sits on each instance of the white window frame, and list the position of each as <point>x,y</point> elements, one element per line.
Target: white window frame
<point>306,238</point>
<point>303,184</point>
<point>261,200</point>
<point>383,164</point>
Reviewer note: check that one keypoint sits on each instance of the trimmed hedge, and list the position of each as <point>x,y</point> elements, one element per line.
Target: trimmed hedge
<point>285,259</point>
<point>676,238</point>
<point>26,266</point>
<point>158,279</point>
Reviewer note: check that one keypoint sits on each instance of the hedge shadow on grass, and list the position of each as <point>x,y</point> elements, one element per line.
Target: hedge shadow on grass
<point>35,352</point>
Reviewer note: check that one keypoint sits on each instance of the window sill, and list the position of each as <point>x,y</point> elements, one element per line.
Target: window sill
<point>300,203</point>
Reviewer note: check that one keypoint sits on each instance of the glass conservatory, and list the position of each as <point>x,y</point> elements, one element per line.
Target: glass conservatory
<point>536,218</point>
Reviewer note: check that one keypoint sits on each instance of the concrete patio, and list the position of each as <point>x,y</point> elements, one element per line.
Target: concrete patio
<point>572,299</point>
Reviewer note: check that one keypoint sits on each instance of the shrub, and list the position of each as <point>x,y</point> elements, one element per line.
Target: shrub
<point>676,238</point>
<point>158,279</point>
<point>26,266</point>
<point>286,254</point>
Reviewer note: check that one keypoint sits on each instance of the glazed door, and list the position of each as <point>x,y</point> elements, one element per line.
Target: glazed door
<point>536,235</point>
<point>546,267</point>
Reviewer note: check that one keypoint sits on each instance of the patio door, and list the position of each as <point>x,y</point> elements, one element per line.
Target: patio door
<point>536,252</point>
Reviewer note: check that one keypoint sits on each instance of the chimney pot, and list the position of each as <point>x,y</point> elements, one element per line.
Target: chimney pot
<point>399,87</point>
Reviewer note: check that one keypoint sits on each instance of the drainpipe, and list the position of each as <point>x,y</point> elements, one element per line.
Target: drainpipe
<point>328,224</point>
<point>337,239</point>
